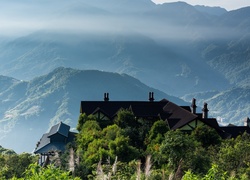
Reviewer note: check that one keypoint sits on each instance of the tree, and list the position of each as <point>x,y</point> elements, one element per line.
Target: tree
<point>89,132</point>
<point>135,128</point>
<point>82,119</point>
<point>200,161</point>
<point>125,118</point>
<point>156,136</point>
<point>35,172</point>
<point>207,136</point>
<point>121,148</point>
<point>176,147</point>
<point>6,151</point>
<point>213,173</point>
<point>109,143</point>
<point>234,155</point>
<point>15,165</point>
<point>154,139</point>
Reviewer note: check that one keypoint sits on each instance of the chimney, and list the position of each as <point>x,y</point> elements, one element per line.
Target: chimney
<point>151,97</point>
<point>205,111</point>
<point>247,122</point>
<point>106,96</point>
<point>193,106</point>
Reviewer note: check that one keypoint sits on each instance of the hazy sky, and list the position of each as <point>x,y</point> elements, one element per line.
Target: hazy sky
<point>227,4</point>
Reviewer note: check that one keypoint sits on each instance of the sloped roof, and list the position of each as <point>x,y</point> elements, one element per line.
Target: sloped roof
<point>60,128</point>
<point>100,110</point>
<point>148,109</point>
<point>43,142</point>
<point>211,122</point>
<point>164,109</point>
<point>139,108</point>
<point>174,115</point>
<point>178,116</point>
<point>235,131</point>
<point>45,145</point>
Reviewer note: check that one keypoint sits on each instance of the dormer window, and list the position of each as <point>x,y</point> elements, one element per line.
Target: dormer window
<point>100,115</point>
<point>192,125</point>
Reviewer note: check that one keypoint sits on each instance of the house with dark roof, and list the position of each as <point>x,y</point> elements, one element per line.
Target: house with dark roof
<point>184,118</point>
<point>55,140</point>
<point>234,131</point>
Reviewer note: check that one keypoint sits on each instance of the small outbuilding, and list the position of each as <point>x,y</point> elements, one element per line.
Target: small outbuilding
<point>53,142</point>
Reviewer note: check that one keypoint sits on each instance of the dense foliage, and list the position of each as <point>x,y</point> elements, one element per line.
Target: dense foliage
<point>36,172</point>
<point>134,148</point>
<point>14,165</point>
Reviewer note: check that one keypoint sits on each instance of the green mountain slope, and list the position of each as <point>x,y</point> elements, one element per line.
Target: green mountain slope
<point>29,108</point>
<point>231,56</point>
<point>230,106</point>
<point>156,44</point>
<point>175,47</point>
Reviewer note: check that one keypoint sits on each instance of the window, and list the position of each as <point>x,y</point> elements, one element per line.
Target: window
<point>192,125</point>
<point>101,116</point>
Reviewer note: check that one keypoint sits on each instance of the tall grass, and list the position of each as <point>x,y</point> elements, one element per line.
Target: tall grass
<point>148,166</point>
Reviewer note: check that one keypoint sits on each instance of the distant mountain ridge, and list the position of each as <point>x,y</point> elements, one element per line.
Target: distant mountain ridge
<point>182,50</point>
<point>170,35</point>
<point>230,106</point>
<point>29,107</point>
<point>216,11</point>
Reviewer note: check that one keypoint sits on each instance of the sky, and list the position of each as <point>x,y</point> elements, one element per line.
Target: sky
<point>227,4</point>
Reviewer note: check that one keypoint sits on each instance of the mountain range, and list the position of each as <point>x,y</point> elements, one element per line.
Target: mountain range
<point>29,108</point>
<point>166,46</point>
<point>182,50</point>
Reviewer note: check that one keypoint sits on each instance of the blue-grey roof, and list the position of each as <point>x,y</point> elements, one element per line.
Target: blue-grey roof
<point>45,145</point>
<point>60,128</point>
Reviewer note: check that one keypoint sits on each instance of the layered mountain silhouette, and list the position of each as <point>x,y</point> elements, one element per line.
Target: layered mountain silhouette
<point>168,46</point>
<point>29,108</point>
<point>229,107</point>
<point>182,50</point>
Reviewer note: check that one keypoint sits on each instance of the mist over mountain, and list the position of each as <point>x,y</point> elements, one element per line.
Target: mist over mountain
<point>230,106</point>
<point>168,46</point>
<point>216,11</point>
<point>153,43</point>
<point>29,108</point>
<point>182,50</point>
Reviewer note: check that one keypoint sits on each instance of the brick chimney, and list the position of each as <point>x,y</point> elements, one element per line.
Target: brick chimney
<point>106,96</point>
<point>205,111</point>
<point>151,97</point>
<point>193,106</point>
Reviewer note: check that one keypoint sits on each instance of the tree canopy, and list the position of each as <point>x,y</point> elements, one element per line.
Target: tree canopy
<point>137,148</point>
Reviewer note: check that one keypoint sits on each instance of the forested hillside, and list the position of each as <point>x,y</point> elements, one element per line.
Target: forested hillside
<point>168,46</point>
<point>31,107</point>
<point>230,106</point>
<point>141,149</point>
<point>182,50</point>
<point>136,148</point>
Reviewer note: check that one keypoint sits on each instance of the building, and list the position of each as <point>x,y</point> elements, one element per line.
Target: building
<point>184,118</point>
<point>234,131</point>
<point>54,142</point>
